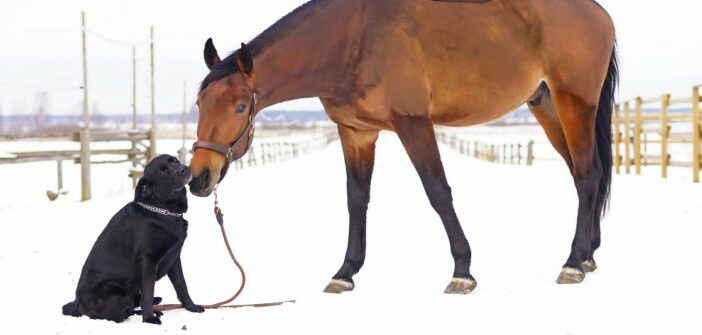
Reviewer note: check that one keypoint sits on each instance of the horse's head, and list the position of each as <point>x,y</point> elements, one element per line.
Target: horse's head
<point>227,105</point>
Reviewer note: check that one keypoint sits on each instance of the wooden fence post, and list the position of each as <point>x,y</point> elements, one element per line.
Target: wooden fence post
<point>638,126</point>
<point>617,140</point>
<point>530,153</point>
<point>504,153</point>
<point>627,137</point>
<point>665,132</point>
<point>696,134</point>
<point>519,154</point>
<point>85,188</point>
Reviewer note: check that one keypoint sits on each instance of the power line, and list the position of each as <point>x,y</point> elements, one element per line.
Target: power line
<point>89,31</point>
<point>52,30</point>
<point>115,40</point>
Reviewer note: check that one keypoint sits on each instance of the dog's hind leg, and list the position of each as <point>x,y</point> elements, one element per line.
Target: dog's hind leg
<point>113,303</point>
<point>70,309</point>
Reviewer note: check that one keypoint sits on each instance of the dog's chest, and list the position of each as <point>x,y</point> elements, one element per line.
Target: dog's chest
<point>168,259</point>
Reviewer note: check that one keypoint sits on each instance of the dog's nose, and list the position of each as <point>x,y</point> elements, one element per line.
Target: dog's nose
<point>184,169</point>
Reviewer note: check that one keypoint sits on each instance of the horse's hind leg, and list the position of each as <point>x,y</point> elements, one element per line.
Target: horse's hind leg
<point>417,136</point>
<point>544,110</point>
<point>541,105</point>
<point>578,120</point>
<point>359,156</point>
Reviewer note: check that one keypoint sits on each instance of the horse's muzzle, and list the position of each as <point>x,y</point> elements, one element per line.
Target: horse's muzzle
<point>202,185</point>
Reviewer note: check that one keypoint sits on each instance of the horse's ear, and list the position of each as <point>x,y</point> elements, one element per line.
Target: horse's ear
<point>244,60</point>
<point>211,56</point>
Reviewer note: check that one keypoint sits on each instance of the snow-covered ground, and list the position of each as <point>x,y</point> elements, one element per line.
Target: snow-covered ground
<point>288,225</point>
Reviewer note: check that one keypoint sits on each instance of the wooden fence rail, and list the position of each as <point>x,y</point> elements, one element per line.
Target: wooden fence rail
<point>138,153</point>
<point>272,151</point>
<point>265,152</point>
<point>513,154</point>
<point>633,129</point>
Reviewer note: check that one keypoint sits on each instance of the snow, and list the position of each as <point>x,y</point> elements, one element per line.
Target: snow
<point>288,226</point>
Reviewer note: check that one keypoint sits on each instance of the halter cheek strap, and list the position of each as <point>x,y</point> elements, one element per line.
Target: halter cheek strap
<point>245,137</point>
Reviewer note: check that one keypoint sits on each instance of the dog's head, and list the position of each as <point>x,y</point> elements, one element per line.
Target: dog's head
<point>163,184</point>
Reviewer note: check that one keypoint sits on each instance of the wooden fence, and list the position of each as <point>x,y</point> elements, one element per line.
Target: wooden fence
<point>633,129</point>
<point>137,151</point>
<point>514,153</point>
<point>276,150</point>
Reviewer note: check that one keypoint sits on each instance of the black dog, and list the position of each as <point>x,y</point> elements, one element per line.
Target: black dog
<point>140,245</point>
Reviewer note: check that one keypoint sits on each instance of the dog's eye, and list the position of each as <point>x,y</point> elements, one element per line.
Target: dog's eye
<point>241,109</point>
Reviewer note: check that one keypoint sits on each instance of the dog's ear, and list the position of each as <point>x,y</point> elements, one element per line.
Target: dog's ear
<point>143,190</point>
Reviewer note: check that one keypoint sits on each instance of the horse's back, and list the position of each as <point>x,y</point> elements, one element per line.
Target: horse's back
<point>471,63</point>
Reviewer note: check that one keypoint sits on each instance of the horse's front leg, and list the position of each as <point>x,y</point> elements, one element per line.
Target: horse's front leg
<point>418,138</point>
<point>359,155</point>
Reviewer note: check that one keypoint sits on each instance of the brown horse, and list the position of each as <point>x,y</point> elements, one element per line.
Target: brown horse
<point>406,65</point>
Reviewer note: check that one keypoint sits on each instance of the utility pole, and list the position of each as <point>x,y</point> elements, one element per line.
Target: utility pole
<point>134,89</point>
<point>183,152</point>
<point>152,146</point>
<point>133,155</point>
<point>85,130</point>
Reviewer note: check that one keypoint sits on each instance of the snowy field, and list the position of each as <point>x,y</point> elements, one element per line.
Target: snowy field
<point>288,225</point>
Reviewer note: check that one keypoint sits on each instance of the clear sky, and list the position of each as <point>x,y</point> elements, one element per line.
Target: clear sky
<point>660,48</point>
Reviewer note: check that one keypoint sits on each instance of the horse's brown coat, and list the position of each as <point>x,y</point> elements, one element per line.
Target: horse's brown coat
<point>401,64</point>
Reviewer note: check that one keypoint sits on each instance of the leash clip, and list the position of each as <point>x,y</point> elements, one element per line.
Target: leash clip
<point>218,211</point>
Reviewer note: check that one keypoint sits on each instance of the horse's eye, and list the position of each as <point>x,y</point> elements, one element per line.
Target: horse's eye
<point>241,109</point>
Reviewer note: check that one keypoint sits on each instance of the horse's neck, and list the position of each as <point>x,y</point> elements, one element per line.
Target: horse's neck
<point>308,59</point>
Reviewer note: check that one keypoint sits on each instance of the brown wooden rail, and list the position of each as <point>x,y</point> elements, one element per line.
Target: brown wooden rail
<point>632,126</point>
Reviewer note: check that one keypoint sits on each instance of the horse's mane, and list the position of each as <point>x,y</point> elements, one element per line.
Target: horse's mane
<point>228,65</point>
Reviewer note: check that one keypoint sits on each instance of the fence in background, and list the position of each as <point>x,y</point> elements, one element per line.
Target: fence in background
<point>271,151</point>
<point>633,130</point>
<point>138,153</point>
<point>514,153</point>
<point>137,150</point>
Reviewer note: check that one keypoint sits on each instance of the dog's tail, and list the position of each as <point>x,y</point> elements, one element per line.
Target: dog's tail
<point>71,309</point>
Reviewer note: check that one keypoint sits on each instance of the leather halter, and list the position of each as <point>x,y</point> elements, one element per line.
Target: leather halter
<point>245,137</point>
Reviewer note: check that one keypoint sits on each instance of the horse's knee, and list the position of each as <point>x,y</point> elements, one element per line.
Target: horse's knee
<point>440,196</point>
<point>358,201</point>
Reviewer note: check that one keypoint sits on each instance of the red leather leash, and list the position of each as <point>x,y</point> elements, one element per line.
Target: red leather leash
<point>224,304</point>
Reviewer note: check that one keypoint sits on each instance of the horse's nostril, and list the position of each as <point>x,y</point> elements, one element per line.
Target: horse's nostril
<point>204,179</point>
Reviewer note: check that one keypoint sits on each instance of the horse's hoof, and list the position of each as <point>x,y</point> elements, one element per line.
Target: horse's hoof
<point>338,286</point>
<point>570,276</point>
<point>589,266</point>
<point>460,286</point>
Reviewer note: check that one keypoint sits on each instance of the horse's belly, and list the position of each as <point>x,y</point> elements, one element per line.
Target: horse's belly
<point>465,103</point>
<point>482,61</point>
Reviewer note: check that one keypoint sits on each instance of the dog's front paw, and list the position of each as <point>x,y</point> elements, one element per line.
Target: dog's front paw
<point>194,308</point>
<point>153,320</point>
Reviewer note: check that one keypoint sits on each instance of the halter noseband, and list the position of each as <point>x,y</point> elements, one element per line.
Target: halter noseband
<point>245,137</point>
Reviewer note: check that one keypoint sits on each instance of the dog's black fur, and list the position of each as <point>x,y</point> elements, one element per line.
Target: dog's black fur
<point>137,248</point>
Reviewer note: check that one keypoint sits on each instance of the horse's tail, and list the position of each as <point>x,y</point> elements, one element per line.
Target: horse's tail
<point>603,133</point>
